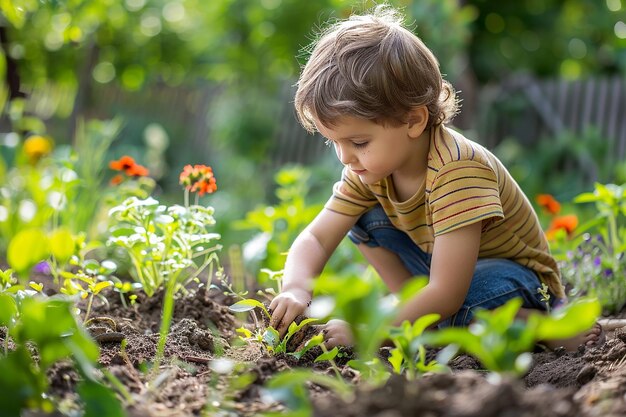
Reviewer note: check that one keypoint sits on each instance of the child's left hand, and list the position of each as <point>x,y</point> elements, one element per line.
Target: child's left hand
<point>337,333</point>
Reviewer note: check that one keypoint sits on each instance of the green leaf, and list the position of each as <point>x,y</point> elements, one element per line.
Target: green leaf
<point>303,376</point>
<point>271,337</point>
<point>247,305</point>
<point>99,400</point>
<point>310,344</point>
<point>8,310</point>
<point>26,249</point>
<point>62,245</point>
<point>574,318</point>
<point>328,356</point>
<point>586,198</point>
<point>21,383</point>
<point>395,359</point>
<point>423,323</point>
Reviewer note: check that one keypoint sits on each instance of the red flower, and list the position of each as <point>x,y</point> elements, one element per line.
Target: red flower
<point>129,166</point>
<point>549,203</point>
<point>198,178</point>
<point>567,223</point>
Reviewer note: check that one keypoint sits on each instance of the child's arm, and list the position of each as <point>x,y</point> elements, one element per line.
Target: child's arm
<point>305,261</point>
<point>451,271</point>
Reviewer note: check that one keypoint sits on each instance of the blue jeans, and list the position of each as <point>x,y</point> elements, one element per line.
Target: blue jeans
<point>495,280</point>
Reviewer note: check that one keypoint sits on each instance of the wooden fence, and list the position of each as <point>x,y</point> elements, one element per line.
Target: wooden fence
<point>529,110</point>
<point>521,107</point>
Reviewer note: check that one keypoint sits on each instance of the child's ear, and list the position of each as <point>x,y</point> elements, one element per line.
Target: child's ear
<point>418,119</point>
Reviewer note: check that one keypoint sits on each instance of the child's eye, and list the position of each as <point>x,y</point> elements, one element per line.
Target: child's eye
<point>359,144</point>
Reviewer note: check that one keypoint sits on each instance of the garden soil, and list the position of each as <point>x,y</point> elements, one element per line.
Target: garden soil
<point>589,382</point>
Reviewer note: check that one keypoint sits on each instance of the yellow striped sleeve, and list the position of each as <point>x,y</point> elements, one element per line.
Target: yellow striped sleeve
<point>463,192</point>
<point>350,196</point>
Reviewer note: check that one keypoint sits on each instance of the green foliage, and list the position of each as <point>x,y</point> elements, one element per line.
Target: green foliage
<point>432,22</point>
<point>49,325</point>
<point>99,400</point>
<point>274,344</point>
<point>597,265</point>
<point>289,387</point>
<point>62,191</point>
<point>409,354</point>
<point>247,305</point>
<point>363,307</point>
<point>278,225</point>
<point>546,37</point>
<point>163,242</point>
<point>502,343</point>
<point>88,282</point>
<point>26,249</point>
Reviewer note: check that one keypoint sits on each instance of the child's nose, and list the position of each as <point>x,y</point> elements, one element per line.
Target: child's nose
<point>344,155</point>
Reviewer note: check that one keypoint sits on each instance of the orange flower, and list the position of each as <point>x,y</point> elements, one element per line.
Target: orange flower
<point>549,203</point>
<point>124,163</point>
<point>117,180</point>
<point>137,171</point>
<point>198,178</point>
<point>129,166</point>
<point>567,223</point>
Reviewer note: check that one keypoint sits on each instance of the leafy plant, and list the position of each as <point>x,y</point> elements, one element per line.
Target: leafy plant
<point>273,342</point>
<point>597,265</point>
<point>58,189</point>
<point>49,325</point>
<point>163,242</point>
<point>409,354</point>
<point>86,284</point>
<point>278,225</point>
<point>269,337</point>
<point>365,306</point>
<point>501,341</point>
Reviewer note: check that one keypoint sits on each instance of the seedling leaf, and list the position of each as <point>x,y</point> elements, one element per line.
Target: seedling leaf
<point>247,305</point>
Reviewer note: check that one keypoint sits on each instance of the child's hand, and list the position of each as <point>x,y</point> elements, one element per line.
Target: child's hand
<point>337,333</point>
<point>286,306</point>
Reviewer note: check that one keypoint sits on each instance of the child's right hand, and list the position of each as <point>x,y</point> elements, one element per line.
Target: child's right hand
<point>286,306</point>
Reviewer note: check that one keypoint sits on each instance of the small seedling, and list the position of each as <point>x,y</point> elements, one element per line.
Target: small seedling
<point>409,354</point>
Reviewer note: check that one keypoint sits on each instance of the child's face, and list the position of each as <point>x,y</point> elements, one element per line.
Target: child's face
<point>374,151</point>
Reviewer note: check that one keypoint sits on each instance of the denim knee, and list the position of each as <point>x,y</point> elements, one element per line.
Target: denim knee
<point>364,231</point>
<point>495,282</point>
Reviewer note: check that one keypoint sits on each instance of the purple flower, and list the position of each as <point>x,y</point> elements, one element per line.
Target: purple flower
<point>608,272</point>
<point>42,268</point>
<point>597,261</point>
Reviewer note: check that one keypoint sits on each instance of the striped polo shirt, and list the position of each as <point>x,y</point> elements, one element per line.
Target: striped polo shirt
<point>465,183</point>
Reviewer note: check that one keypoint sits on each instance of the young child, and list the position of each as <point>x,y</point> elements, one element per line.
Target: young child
<point>416,197</point>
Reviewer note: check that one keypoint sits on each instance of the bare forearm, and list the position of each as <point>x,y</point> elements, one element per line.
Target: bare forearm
<point>305,261</point>
<point>429,300</point>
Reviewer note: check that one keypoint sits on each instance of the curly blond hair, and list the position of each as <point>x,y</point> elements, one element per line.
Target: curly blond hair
<point>370,66</point>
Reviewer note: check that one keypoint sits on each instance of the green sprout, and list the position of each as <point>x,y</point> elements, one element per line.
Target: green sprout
<point>269,337</point>
<point>409,353</point>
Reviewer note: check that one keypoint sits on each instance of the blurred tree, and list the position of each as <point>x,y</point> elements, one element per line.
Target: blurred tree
<point>69,45</point>
<point>567,38</point>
